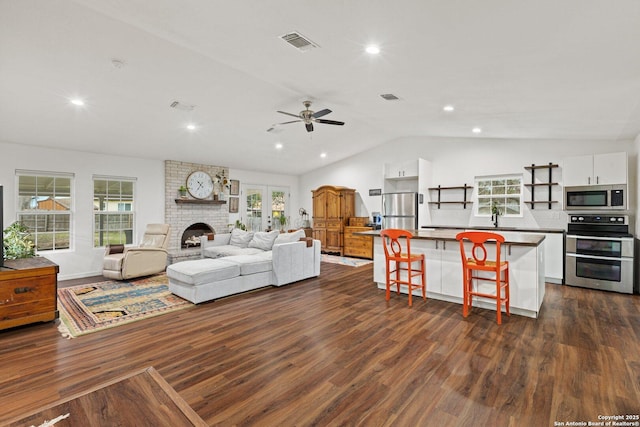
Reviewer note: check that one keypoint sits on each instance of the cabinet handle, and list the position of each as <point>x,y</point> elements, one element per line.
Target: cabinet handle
<point>436,244</point>
<point>22,290</point>
<point>588,180</point>
<point>444,245</point>
<point>597,180</point>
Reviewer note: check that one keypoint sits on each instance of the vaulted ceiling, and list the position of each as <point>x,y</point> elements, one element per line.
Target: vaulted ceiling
<point>540,69</point>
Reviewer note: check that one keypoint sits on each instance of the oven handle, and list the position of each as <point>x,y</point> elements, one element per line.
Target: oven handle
<point>606,258</point>
<point>599,238</point>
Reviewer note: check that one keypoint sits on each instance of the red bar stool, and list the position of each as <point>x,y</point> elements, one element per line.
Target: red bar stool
<point>400,262</point>
<point>478,262</point>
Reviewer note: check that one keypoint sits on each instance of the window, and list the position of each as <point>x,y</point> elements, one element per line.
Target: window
<point>501,192</point>
<point>113,211</point>
<point>45,208</point>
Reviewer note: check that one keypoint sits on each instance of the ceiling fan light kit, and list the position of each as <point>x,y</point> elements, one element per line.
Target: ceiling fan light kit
<point>308,117</point>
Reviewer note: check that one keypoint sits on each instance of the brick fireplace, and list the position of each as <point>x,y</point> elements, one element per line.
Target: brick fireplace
<point>189,214</point>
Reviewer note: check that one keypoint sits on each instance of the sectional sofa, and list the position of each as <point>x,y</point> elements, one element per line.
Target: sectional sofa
<point>241,261</point>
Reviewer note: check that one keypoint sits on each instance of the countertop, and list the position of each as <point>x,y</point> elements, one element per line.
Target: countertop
<point>498,229</point>
<point>520,239</point>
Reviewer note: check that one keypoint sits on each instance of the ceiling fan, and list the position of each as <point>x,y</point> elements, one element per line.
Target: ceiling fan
<point>308,117</point>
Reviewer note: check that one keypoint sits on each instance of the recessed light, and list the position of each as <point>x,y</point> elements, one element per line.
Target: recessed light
<point>323,155</point>
<point>476,130</point>
<point>279,146</point>
<point>77,101</point>
<point>191,126</point>
<point>372,49</point>
<point>448,108</point>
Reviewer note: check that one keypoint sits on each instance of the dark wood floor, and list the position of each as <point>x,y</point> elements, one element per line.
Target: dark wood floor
<point>331,351</point>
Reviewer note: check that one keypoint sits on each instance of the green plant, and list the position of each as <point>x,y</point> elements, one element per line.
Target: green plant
<point>240,225</point>
<point>17,242</point>
<point>182,189</point>
<point>283,221</point>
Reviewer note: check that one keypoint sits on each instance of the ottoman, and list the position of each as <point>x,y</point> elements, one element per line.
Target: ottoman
<point>207,279</point>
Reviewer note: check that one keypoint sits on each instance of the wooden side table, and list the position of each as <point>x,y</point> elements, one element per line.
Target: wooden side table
<point>28,291</point>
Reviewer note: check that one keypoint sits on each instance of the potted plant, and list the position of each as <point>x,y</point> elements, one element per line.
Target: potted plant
<point>283,222</point>
<point>17,242</point>
<point>182,191</point>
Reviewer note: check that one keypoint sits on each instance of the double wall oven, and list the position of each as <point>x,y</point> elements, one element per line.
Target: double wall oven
<point>600,252</point>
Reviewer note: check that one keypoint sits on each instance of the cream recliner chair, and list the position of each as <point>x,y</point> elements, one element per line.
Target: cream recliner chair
<point>121,263</point>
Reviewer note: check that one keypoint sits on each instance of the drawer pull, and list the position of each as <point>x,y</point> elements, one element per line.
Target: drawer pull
<point>22,290</point>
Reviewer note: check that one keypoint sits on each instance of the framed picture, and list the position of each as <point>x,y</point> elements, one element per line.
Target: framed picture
<point>233,204</point>
<point>234,187</point>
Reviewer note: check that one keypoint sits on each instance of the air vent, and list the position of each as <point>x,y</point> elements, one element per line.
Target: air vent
<point>181,106</point>
<point>299,41</point>
<point>389,97</point>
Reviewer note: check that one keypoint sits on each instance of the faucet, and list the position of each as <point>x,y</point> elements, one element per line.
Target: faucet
<point>495,213</point>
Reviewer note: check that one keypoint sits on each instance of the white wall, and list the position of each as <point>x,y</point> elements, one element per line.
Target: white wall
<point>456,161</point>
<point>83,259</point>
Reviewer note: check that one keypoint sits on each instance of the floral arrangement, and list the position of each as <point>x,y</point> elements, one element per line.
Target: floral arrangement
<point>17,242</point>
<point>221,181</point>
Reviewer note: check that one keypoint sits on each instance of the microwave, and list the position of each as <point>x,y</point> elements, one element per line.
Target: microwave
<point>595,197</point>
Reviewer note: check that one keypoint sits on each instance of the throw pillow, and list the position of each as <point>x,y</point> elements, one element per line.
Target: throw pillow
<point>289,237</point>
<point>240,238</point>
<point>264,240</point>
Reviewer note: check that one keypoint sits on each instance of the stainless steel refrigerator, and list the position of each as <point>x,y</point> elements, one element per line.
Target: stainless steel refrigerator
<point>400,210</point>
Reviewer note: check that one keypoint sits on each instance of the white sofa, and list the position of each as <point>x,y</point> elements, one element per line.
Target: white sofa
<point>242,261</point>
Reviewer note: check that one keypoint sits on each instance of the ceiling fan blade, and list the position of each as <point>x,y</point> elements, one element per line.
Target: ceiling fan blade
<point>286,123</point>
<point>309,127</point>
<point>289,114</point>
<point>329,122</point>
<point>320,113</point>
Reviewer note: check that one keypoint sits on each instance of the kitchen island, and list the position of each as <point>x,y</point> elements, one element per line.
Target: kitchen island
<point>525,253</point>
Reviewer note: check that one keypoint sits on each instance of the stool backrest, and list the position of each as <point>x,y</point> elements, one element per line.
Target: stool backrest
<point>479,251</point>
<point>397,243</point>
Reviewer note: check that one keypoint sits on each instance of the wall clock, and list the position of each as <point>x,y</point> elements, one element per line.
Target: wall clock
<point>200,185</point>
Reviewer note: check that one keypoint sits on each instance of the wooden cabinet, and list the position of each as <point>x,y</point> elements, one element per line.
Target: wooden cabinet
<point>332,207</point>
<point>356,245</point>
<point>598,169</point>
<point>28,292</point>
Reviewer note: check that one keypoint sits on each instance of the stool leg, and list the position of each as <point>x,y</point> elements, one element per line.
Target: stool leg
<point>498,298</point>
<point>388,287</point>
<point>465,292</point>
<point>506,290</point>
<point>424,280</point>
<point>409,283</point>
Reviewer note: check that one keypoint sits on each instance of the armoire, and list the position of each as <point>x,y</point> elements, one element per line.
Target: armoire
<point>332,208</point>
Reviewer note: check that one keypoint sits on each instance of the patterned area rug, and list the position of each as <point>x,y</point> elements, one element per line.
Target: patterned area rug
<point>352,262</point>
<point>90,308</point>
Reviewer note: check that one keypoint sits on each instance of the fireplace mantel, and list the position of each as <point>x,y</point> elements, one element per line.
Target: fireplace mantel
<point>201,202</point>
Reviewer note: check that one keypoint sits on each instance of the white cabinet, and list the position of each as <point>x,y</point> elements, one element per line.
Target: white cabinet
<point>401,170</point>
<point>598,169</point>
<point>553,257</point>
<point>451,263</point>
<point>526,274</point>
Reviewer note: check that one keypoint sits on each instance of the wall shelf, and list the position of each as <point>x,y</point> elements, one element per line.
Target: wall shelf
<point>533,185</point>
<point>200,202</point>
<point>462,202</point>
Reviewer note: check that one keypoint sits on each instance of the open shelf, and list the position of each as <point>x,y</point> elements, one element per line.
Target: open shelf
<point>533,185</point>
<point>462,202</point>
<point>201,202</point>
